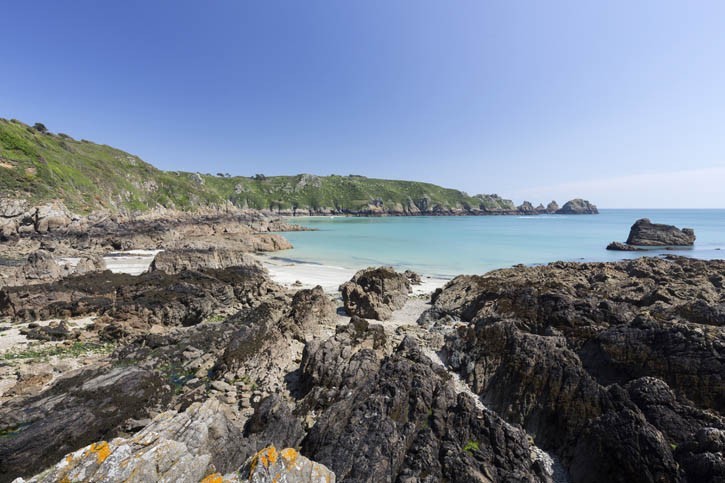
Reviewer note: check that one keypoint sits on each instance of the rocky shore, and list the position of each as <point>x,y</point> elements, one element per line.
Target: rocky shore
<point>204,368</point>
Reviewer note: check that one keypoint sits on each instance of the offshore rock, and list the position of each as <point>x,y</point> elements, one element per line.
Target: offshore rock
<point>623,247</point>
<point>646,233</point>
<point>374,293</point>
<point>578,206</point>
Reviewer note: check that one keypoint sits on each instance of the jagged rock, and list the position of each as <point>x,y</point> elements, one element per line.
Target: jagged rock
<point>285,466</point>
<point>526,208</point>
<point>311,307</point>
<point>646,233</point>
<point>374,293</point>
<point>90,263</point>
<point>403,421</point>
<point>623,247</point>
<point>41,266</point>
<point>552,207</point>
<point>186,446</point>
<point>86,406</point>
<point>578,206</point>
<point>138,302</point>
<point>413,278</point>
<point>573,334</point>
<point>53,331</point>
<point>174,261</point>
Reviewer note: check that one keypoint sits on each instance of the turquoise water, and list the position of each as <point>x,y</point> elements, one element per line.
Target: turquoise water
<point>451,245</point>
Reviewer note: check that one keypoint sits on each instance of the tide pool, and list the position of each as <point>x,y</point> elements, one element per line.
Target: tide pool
<point>450,245</point>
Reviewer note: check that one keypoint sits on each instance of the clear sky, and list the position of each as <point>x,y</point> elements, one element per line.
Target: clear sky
<point>621,102</point>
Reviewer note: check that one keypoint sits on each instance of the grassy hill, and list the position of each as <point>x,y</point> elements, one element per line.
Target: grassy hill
<point>40,166</point>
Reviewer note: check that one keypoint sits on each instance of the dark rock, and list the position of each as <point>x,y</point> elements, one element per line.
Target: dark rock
<point>175,261</point>
<point>623,247</point>
<point>77,410</point>
<point>646,233</point>
<point>578,206</point>
<point>413,277</point>
<point>404,422</point>
<point>552,207</point>
<point>374,293</point>
<point>54,331</point>
<point>573,333</point>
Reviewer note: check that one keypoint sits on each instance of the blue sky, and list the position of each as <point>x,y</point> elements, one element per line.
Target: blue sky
<point>620,102</point>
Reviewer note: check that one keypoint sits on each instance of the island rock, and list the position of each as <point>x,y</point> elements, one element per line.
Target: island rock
<point>577,206</point>
<point>646,233</point>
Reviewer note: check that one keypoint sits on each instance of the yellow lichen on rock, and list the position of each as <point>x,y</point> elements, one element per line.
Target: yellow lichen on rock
<point>266,457</point>
<point>289,455</point>
<point>101,450</point>
<point>213,478</point>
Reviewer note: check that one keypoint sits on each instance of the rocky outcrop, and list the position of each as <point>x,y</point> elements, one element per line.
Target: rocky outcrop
<point>287,465</point>
<point>619,355</point>
<point>77,410</point>
<point>577,206</point>
<point>400,418</point>
<point>646,233</point>
<point>623,247</point>
<point>374,293</point>
<point>552,207</point>
<point>133,304</point>
<point>175,261</point>
<point>90,263</point>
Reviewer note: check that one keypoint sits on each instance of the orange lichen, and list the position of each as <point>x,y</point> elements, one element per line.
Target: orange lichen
<point>101,450</point>
<point>290,455</point>
<point>266,457</point>
<point>213,478</point>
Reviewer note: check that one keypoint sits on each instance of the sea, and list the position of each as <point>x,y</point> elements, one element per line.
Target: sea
<point>445,246</point>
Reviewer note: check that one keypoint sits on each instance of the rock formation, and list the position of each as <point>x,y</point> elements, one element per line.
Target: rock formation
<point>177,260</point>
<point>577,206</point>
<point>646,233</point>
<point>620,356</point>
<point>374,293</point>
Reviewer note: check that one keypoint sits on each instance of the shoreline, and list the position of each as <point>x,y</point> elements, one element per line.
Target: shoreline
<point>288,271</point>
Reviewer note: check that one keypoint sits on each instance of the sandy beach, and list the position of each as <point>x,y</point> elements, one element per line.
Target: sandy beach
<point>289,272</point>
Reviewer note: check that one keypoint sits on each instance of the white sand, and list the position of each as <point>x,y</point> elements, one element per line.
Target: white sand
<point>329,277</point>
<point>132,262</point>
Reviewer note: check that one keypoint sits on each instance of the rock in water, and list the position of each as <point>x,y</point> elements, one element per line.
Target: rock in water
<point>285,466</point>
<point>646,233</point>
<point>373,293</point>
<point>577,206</point>
<point>177,260</point>
<point>623,247</point>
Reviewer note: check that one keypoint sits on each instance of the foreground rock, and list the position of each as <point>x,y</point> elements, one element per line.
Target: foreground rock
<point>201,443</point>
<point>175,261</point>
<point>399,418</point>
<point>577,206</point>
<point>374,293</point>
<point>626,361</point>
<point>646,233</point>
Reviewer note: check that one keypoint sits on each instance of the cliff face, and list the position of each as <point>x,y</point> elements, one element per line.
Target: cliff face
<point>61,175</point>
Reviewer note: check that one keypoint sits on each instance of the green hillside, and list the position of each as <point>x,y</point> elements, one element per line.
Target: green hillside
<point>41,166</point>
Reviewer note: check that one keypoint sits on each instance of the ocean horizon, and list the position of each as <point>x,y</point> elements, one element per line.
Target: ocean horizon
<point>445,246</point>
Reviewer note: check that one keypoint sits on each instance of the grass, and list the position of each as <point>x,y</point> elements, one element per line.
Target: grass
<point>86,176</point>
<point>77,349</point>
<point>471,446</point>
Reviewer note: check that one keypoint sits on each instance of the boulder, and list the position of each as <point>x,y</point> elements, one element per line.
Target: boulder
<point>90,263</point>
<point>577,206</point>
<point>270,465</point>
<point>623,247</point>
<point>374,293</point>
<point>176,260</point>
<point>646,233</point>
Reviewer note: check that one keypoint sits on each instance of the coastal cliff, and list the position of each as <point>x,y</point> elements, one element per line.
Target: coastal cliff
<point>47,180</point>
